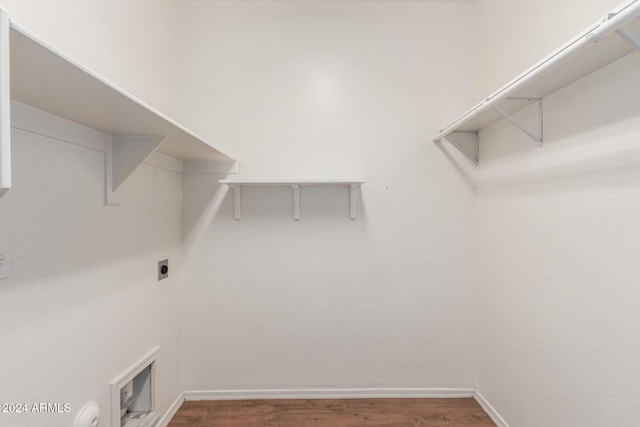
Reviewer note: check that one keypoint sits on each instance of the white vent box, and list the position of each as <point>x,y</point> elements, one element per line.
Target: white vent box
<point>133,395</point>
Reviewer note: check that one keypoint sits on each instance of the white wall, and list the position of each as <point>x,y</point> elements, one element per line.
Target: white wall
<point>310,90</point>
<point>329,90</point>
<point>132,43</point>
<point>558,237</point>
<point>83,303</point>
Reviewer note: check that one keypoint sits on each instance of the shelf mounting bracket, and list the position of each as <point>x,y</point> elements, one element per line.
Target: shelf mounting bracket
<point>468,142</point>
<point>124,154</point>
<point>236,201</point>
<point>353,206</point>
<point>296,201</point>
<point>538,135</point>
<point>629,38</point>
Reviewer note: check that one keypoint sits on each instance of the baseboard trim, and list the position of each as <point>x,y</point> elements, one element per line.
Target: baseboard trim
<point>490,410</point>
<point>171,412</point>
<point>321,393</point>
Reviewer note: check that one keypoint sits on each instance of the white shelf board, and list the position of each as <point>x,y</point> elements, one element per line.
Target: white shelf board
<point>287,182</point>
<point>45,78</point>
<point>37,74</point>
<point>592,49</point>
<point>237,184</point>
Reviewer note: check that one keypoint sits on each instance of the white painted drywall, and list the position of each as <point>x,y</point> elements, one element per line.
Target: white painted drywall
<point>328,90</point>
<point>558,237</point>
<point>132,43</point>
<point>83,303</point>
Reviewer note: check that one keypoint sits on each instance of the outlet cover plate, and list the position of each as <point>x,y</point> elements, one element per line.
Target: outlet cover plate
<point>163,269</point>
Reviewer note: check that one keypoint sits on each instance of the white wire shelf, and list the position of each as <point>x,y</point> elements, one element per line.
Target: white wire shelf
<point>614,36</point>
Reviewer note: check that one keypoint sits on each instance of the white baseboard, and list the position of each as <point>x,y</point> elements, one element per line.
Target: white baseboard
<point>171,412</point>
<point>490,410</point>
<point>320,393</point>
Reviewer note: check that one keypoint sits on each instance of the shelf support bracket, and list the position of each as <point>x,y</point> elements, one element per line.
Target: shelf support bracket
<point>236,201</point>
<point>467,142</point>
<point>5,107</point>
<point>538,136</point>
<point>629,38</point>
<point>124,155</point>
<point>296,201</point>
<point>353,202</point>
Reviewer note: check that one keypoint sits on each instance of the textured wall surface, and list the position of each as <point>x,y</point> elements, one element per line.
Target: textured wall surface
<point>329,90</point>
<point>133,43</point>
<point>557,240</point>
<point>83,304</point>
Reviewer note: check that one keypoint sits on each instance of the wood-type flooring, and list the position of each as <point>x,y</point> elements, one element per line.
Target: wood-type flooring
<point>463,412</point>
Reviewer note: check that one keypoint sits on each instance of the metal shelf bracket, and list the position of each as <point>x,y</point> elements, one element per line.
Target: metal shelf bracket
<point>295,189</point>
<point>538,135</point>
<point>236,201</point>
<point>629,38</point>
<point>468,142</point>
<point>353,194</point>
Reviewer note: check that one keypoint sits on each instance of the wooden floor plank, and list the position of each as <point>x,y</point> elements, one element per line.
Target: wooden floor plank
<point>333,412</point>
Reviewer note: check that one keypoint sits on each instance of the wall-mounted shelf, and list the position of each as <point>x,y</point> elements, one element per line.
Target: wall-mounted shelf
<point>237,184</point>
<point>590,50</point>
<point>37,74</point>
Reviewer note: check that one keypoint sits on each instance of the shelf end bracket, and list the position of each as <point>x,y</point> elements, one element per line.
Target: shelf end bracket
<point>629,38</point>
<point>125,153</point>
<point>353,200</point>
<point>467,142</point>
<point>538,135</point>
<point>296,201</point>
<point>236,201</point>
